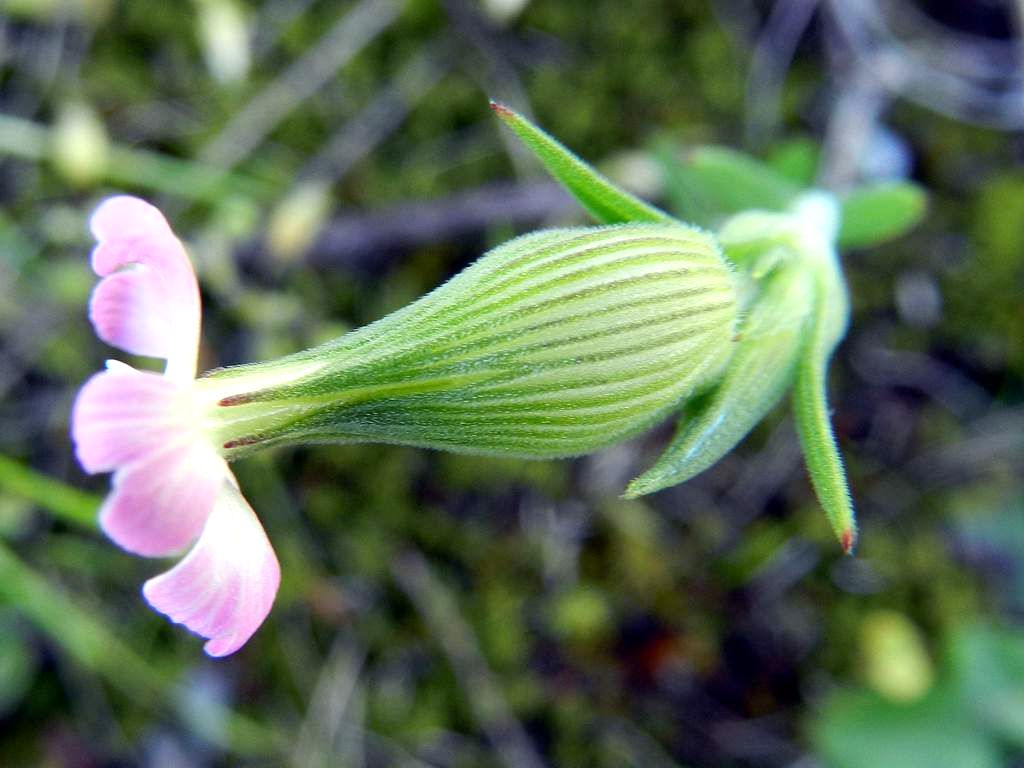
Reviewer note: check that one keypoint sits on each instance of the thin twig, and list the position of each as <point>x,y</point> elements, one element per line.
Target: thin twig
<point>439,611</point>
<point>773,55</point>
<point>251,125</point>
<point>273,21</point>
<point>851,125</point>
<point>497,77</point>
<point>318,738</point>
<point>361,239</point>
<point>969,77</point>
<point>384,114</point>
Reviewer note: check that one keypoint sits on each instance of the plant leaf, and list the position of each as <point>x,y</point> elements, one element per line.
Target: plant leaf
<point>714,182</point>
<point>758,374</point>
<point>987,663</point>
<point>858,729</point>
<point>602,199</point>
<point>810,408</point>
<point>796,159</point>
<point>880,212</point>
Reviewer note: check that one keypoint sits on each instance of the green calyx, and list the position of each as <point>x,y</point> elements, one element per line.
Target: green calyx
<point>562,342</point>
<point>796,313</point>
<point>557,343</point>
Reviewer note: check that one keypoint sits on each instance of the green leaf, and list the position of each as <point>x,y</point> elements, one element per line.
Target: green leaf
<point>988,665</point>
<point>797,159</point>
<point>880,212</point>
<point>810,406</point>
<point>602,199</point>
<point>863,730</point>
<point>714,182</point>
<point>758,374</point>
<point>964,720</point>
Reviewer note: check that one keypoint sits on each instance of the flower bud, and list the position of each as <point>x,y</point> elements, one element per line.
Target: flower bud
<point>557,343</point>
<point>224,35</point>
<point>80,145</point>
<point>896,662</point>
<point>297,220</point>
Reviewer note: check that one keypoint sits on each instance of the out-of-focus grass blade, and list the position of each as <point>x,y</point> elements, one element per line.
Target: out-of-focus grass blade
<point>77,630</point>
<point>18,662</point>
<point>602,199</point>
<point>713,182</point>
<point>62,501</point>
<point>880,212</point>
<point>139,168</point>
<point>759,373</point>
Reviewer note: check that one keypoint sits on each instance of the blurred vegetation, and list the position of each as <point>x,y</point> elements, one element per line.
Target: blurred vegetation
<point>329,162</point>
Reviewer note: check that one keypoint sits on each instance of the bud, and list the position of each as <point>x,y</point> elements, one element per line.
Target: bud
<point>504,11</point>
<point>224,35</point>
<point>79,144</point>
<point>557,343</point>
<point>297,220</point>
<point>896,662</point>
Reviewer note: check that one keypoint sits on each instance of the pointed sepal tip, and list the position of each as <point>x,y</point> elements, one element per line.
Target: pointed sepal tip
<point>848,539</point>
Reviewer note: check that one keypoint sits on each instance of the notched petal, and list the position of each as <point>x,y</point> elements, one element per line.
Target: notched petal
<point>124,216</point>
<point>158,506</point>
<point>128,311</point>
<point>123,416</point>
<point>224,588</point>
<point>148,301</point>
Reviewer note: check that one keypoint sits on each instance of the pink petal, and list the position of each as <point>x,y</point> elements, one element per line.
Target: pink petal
<point>225,586</point>
<point>125,216</point>
<point>160,504</point>
<point>128,311</point>
<point>123,416</point>
<point>152,308</point>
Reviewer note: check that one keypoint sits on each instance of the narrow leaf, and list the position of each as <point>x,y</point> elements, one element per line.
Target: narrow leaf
<point>759,373</point>
<point>602,199</point>
<point>880,212</point>
<point>62,501</point>
<point>810,408</point>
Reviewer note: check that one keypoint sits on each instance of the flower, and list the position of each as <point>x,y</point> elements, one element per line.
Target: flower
<point>171,486</point>
<point>557,343</point>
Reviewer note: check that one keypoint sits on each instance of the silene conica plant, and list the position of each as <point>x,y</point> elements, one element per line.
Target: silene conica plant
<point>558,343</point>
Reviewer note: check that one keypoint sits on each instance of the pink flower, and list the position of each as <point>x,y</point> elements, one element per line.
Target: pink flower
<point>171,486</point>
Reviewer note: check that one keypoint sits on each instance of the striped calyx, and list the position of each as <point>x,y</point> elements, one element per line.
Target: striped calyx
<point>557,343</point>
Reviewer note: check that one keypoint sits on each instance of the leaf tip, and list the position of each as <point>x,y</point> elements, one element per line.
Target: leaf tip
<point>633,491</point>
<point>501,110</point>
<point>847,539</point>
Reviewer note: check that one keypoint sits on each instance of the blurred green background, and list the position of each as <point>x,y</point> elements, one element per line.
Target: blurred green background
<point>330,161</point>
